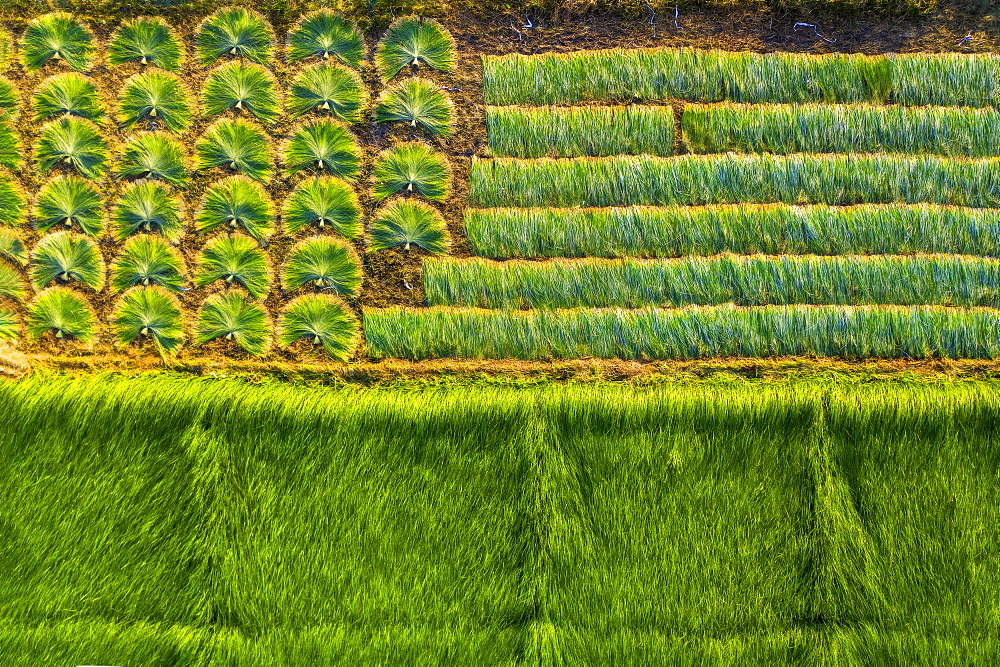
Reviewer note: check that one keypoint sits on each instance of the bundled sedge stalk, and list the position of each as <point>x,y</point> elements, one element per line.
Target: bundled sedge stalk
<point>578,132</point>
<point>716,76</point>
<point>721,179</point>
<point>688,333</point>
<point>772,229</point>
<point>779,128</point>
<point>946,280</point>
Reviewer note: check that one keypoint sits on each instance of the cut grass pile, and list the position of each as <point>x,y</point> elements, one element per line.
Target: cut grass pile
<point>54,38</point>
<point>721,179</point>
<point>836,128</point>
<point>67,94</point>
<point>695,332</point>
<point>414,42</point>
<point>328,89</point>
<point>324,34</point>
<point>745,280</point>
<point>237,261</point>
<point>772,229</point>
<point>155,99</point>
<point>808,524</point>
<point>72,202</point>
<point>154,156</point>
<point>527,132</point>
<point>406,222</point>
<point>417,102</point>
<point>146,41</point>
<point>717,76</point>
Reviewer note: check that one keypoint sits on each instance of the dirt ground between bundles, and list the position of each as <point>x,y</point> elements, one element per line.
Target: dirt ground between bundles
<point>393,277</point>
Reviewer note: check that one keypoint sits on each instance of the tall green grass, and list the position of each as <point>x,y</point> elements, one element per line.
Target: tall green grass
<point>825,128</point>
<point>696,332</point>
<point>914,79</point>
<point>723,179</point>
<point>580,131</point>
<point>233,525</point>
<point>754,280</point>
<point>772,229</point>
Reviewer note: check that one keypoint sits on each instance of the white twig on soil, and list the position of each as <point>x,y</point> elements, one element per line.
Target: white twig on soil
<point>815,30</point>
<point>652,16</point>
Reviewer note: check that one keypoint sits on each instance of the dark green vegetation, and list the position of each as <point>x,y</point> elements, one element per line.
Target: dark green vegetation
<point>695,332</point>
<point>716,76</point>
<point>773,229</point>
<point>742,525</point>
<point>755,280</point>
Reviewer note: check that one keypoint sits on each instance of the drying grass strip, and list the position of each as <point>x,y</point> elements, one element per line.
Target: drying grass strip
<point>578,132</point>
<point>943,79</point>
<point>746,229</point>
<point>943,280</point>
<point>840,128</point>
<point>732,179</point>
<point>690,333</point>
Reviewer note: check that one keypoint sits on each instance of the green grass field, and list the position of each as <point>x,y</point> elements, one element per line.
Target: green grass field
<point>237,525</point>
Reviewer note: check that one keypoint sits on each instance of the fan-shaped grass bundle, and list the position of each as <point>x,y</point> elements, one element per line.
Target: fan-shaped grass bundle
<point>235,260</point>
<point>11,204</point>
<point>56,37</point>
<point>147,260</point>
<point>10,327</point>
<point>237,33</point>
<point>417,102</point>
<point>69,200</point>
<point>12,247</point>
<point>10,147</point>
<point>73,143</point>
<point>407,222</point>
<point>67,94</point>
<point>325,34</point>
<point>62,312</point>
<point>320,203</point>
<point>412,168</point>
<point>66,257</point>
<point>325,263</point>
<point>321,319</point>
<point>8,98</point>
<point>414,42</point>
<point>324,146</point>
<point>154,156</point>
<point>11,282</point>
<point>241,87</point>
<point>235,145</point>
<point>237,203</point>
<point>232,316</point>
<point>149,313</point>
<point>157,99</point>
<point>146,41</point>
<point>330,89</point>
<point>148,207</point>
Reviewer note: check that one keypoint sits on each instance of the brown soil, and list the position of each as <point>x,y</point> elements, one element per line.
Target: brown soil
<point>310,366</point>
<point>393,277</point>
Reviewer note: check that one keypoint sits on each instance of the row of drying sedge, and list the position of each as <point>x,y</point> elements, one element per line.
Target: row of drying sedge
<point>155,99</point>
<point>152,314</point>
<point>237,32</point>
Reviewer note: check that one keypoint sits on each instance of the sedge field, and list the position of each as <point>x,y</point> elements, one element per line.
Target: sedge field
<point>176,522</point>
